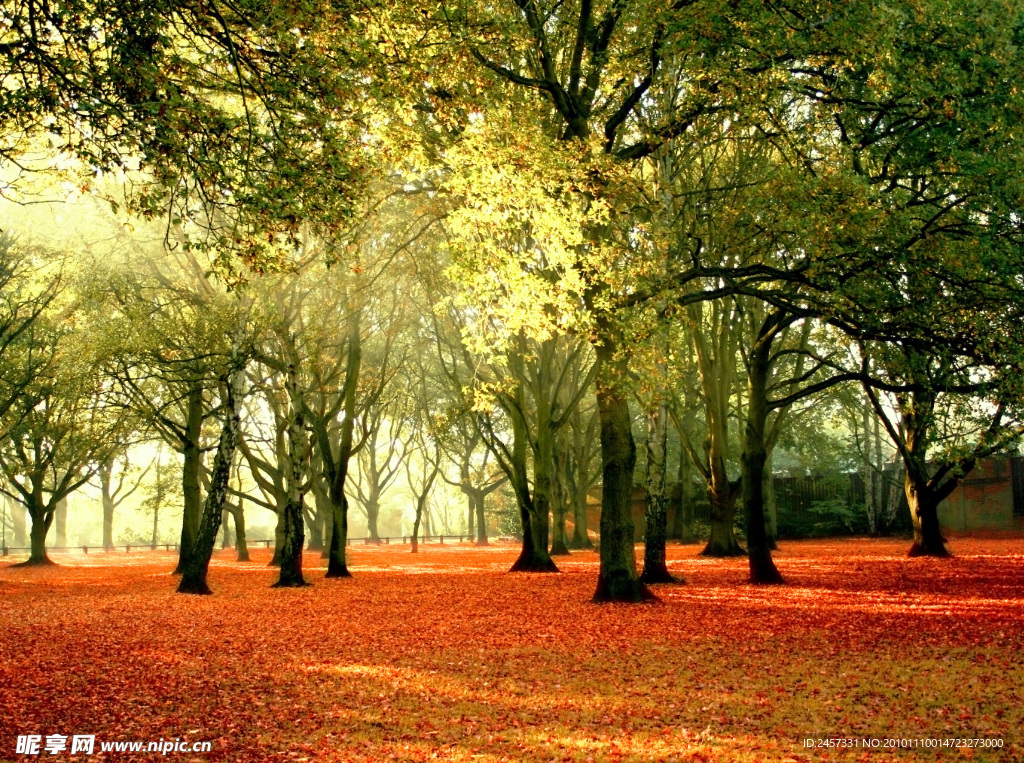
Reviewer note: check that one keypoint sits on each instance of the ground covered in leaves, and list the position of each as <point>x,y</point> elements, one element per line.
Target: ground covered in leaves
<point>443,655</point>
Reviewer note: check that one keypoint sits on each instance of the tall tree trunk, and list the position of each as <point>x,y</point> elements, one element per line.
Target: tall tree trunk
<point>18,520</point>
<point>771,508</point>
<point>279,530</point>
<point>534,555</point>
<point>559,537</point>
<point>580,532</point>
<point>481,523</point>
<point>191,489</point>
<point>655,566</point>
<point>617,579</point>
<point>225,528</point>
<point>755,456</point>
<point>560,499</point>
<point>315,526</point>
<point>470,508</point>
<point>337,567</point>
<point>60,516</point>
<point>336,468</point>
<point>294,526</point>
<point>372,517</point>
<point>241,546</point>
<point>156,524</point>
<point>193,578</point>
<point>682,527</point>
<point>108,505</point>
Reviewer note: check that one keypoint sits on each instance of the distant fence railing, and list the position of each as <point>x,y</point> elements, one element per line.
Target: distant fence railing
<point>266,543</point>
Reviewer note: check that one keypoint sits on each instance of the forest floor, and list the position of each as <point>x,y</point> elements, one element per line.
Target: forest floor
<point>443,655</point>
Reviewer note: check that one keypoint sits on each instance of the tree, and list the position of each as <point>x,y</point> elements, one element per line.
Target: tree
<point>193,579</point>
<point>114,490</point>
<point>239,120</point>
<point>66,425</point>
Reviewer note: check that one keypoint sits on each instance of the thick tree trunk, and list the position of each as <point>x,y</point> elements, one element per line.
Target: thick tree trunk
<point>291,549</point>
<point>372,517</point>
<point>337,566</point>
<point>655,566</point>
<point>193,578</point>
<point>470,509</point>
<point>559,537</point>
<point>617,579</point>
<point>191,489</point>
<point>924,514</point>
<point>723,543</point>
<point>41,521</point>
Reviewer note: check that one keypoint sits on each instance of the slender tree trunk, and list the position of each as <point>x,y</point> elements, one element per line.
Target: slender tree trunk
<point>241,546</point>
<point>108,506</point>
<point>470,509</point>
<point>275,560</point>
<point>560,540</point>
<point>294,526</point>
<point>580,533</point>
<point>617,579</point>
<point>156,524</point>
<point>60,516</point>
<point>771,508</point>
<point>191,489</point>
<point>372,517</point>
<point>193,578</point>
<point>414,546</point>
<point>315,526</point>
<point>560,501</point>
<point>225,528</point>
<point>481,523</point>
<point>655,565</point>
<point>682,528</point>
<point>336,470</point>
<point>754,459</point>
<point>18,521</point>
<point>534,556</point>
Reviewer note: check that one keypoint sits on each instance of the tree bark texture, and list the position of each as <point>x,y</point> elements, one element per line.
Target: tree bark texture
<point>193,578</point>
<point>617,579</point>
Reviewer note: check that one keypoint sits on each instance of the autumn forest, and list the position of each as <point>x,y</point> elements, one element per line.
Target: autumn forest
<point>526,380</point>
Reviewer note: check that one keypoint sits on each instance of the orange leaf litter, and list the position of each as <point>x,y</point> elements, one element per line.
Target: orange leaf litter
<point>443,655</point>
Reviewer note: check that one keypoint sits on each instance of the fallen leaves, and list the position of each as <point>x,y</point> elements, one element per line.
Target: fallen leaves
<point>446,656</point>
